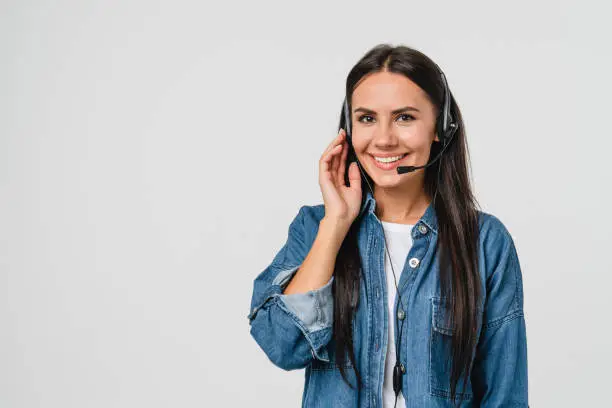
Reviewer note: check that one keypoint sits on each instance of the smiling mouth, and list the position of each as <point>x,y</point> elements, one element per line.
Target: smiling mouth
<point>387,165</point>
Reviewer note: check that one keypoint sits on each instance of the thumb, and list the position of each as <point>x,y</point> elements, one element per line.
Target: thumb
<point>354,176</point>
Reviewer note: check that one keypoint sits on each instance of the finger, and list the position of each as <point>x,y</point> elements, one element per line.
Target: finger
<point>342,167</point>
<point>338,139</point>
<point>354,176</point>
<point>335,163</point>
<point>325,161</point>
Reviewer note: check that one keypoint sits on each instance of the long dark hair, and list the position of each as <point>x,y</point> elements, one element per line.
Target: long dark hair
<point>454,205</point>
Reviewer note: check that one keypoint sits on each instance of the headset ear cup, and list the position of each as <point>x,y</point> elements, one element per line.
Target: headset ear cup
<point>452,129</point>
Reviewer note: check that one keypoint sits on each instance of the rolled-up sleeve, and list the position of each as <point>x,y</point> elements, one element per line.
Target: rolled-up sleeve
<point>291,329</point>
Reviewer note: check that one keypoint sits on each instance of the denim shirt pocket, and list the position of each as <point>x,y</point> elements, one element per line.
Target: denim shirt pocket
<point>441,335</point>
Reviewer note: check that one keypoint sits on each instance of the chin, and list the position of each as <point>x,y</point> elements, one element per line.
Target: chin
<point>390,180</point>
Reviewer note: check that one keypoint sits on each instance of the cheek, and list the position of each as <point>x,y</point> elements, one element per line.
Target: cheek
<point>360,140</point>
<point>418,136</point>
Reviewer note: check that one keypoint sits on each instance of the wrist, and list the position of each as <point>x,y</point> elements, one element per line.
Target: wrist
<point>334,228</point>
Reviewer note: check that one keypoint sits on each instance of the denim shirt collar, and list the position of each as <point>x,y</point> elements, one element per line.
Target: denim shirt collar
<point>428,218</point>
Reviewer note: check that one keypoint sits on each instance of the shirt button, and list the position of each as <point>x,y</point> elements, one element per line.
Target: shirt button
<point>401,314</point>
<point>402,368</point>
<point>413,262</point>
<point>423,229</point>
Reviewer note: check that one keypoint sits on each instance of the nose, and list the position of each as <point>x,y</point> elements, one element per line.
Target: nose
<point>385,137</point>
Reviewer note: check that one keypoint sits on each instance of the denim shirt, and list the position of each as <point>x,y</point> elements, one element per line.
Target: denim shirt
<point>295,330</point>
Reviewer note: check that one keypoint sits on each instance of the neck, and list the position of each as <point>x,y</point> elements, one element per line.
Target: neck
<point>401,206</point>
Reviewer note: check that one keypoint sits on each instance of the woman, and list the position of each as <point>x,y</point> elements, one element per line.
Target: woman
<point>397,277</point>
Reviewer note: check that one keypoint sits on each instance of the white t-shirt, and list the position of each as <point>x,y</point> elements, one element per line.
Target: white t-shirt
<point>399,241</point>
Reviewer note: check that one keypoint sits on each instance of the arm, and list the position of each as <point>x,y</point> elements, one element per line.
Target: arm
<point>499,375</point>
<point>293,326</point>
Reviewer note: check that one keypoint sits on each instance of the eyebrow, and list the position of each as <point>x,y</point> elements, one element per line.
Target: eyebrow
<point>402,109</point>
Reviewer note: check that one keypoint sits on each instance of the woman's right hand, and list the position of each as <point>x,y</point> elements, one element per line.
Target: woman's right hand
<point>342,203</point>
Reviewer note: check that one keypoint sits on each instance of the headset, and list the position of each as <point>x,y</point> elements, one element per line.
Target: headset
<point>446,128</point>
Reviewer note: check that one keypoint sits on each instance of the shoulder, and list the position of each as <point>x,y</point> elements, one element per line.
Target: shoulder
<point>491,225</point>
<point>313,214</point>
<point>308,215</point>
<point>306,222</point>
<point>494,235</point>
<point>497,246</point>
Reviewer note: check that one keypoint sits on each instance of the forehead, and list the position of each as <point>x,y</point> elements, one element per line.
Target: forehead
<point>387,91</point>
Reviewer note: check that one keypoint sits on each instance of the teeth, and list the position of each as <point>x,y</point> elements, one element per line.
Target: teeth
<point>388,159</point>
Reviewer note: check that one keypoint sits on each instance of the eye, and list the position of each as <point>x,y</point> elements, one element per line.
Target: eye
<point>406,115</point>
<point>364,116</point>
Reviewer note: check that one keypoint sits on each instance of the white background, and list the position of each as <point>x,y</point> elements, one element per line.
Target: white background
<point>153,153</point>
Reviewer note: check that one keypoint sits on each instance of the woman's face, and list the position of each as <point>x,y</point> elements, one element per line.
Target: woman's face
<point>379,131</point>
